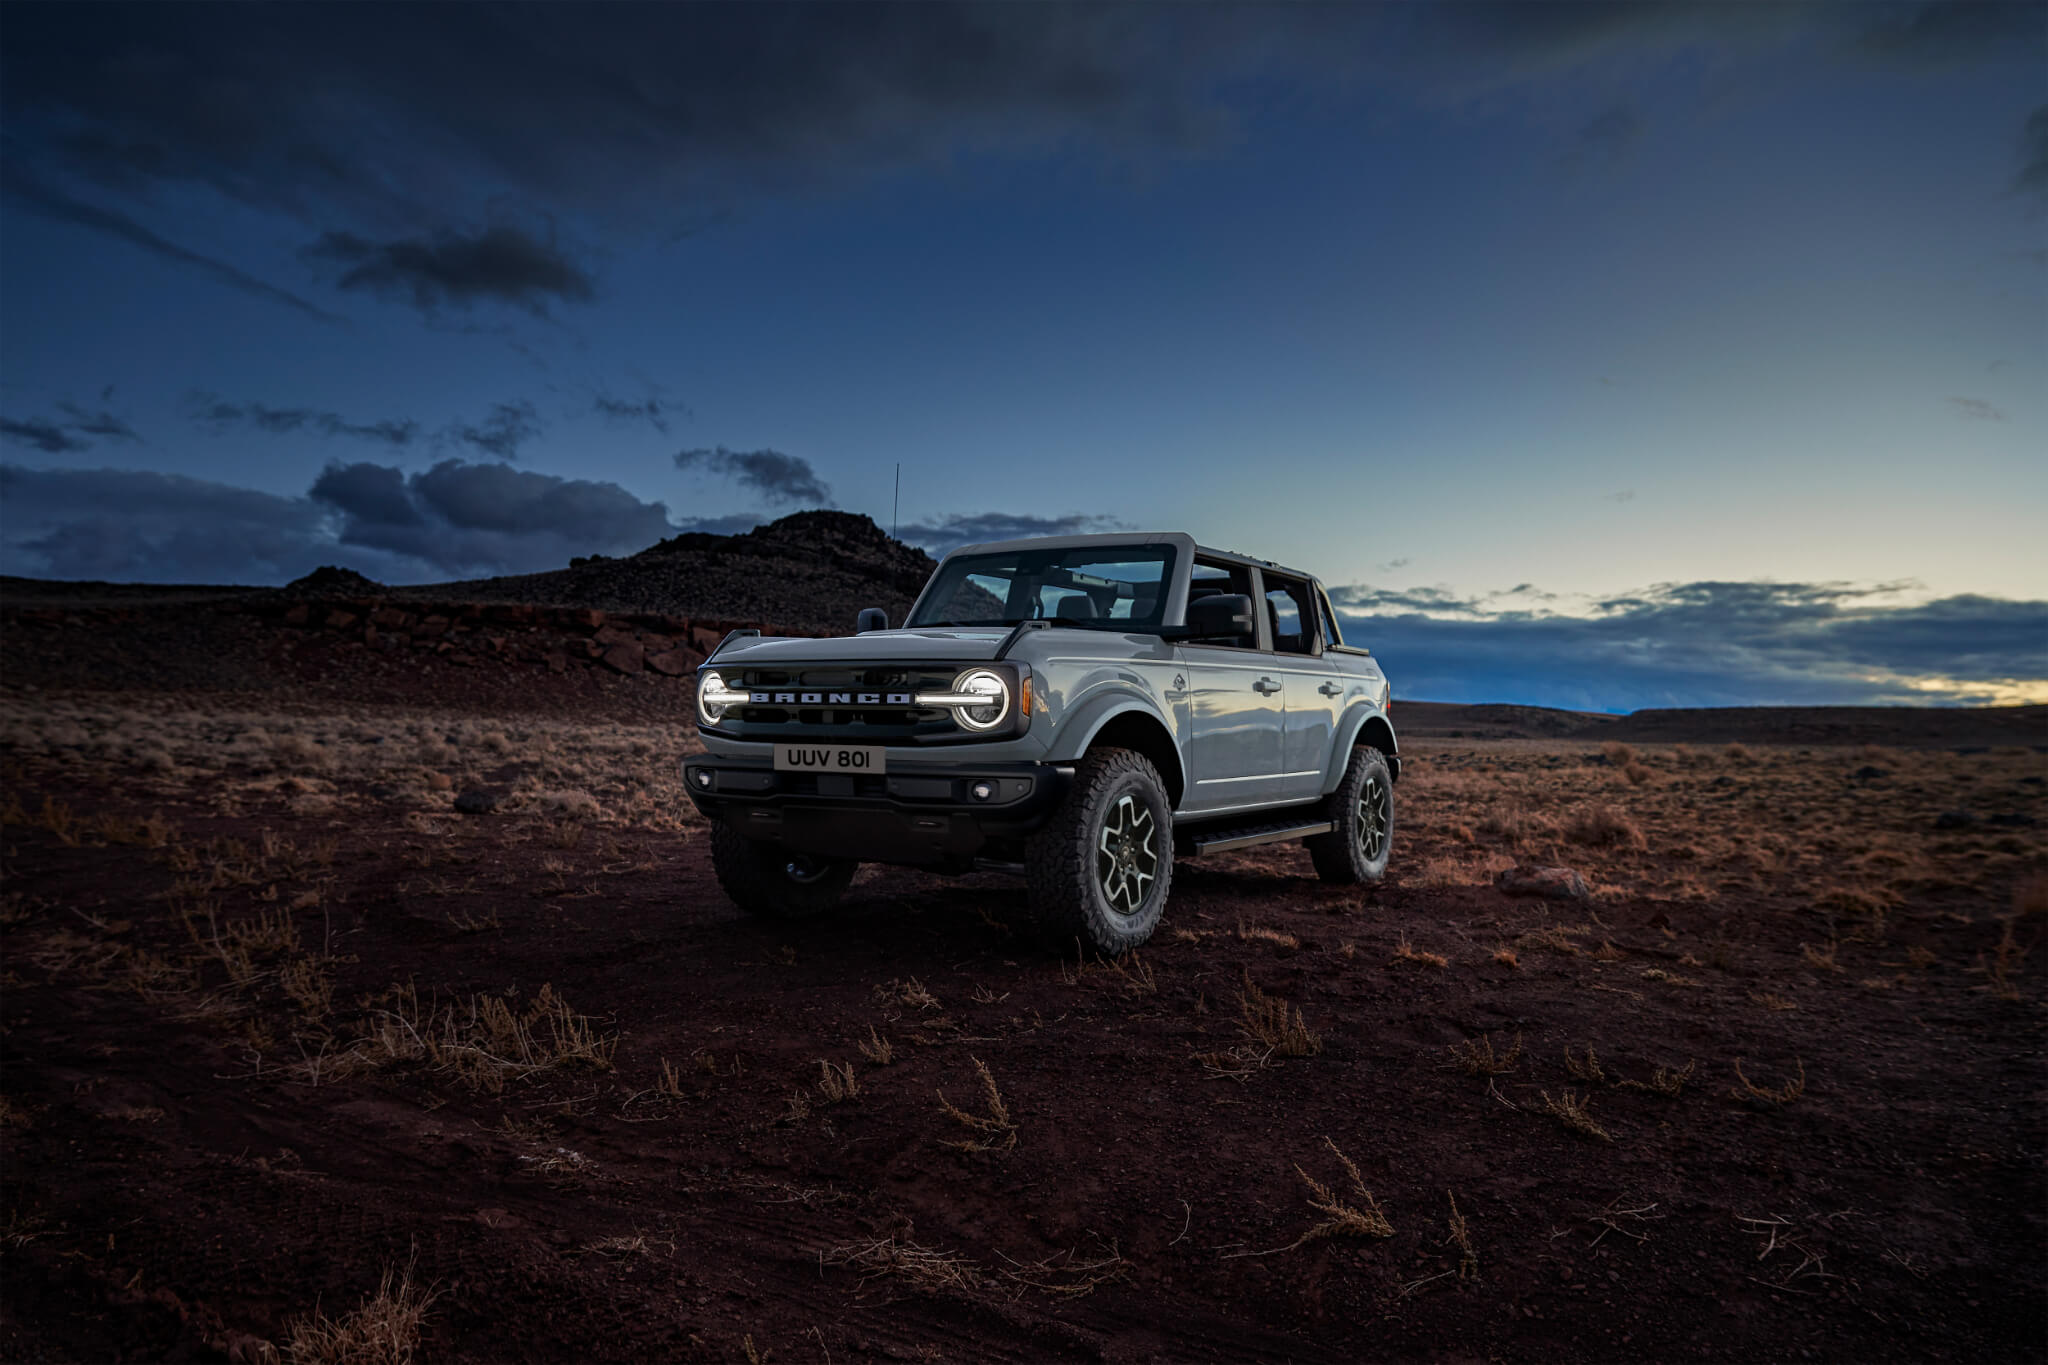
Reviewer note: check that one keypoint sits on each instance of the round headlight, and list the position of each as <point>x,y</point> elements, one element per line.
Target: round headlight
<point>710,685</point>
<point>982,683</point>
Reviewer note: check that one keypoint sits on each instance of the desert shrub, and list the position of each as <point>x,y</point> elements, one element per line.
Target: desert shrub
<point>1604,827</point>
<point>569,805</point>
<point>300,753</point>
<point>1617,754</point>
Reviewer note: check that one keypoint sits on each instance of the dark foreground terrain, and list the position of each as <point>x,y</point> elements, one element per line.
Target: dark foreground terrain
<point>297,1060</point>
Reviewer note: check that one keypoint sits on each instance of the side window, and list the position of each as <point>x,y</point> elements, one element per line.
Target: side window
<point>1291,615</point>
<point>1210,578</point>
<point>1332,637</point>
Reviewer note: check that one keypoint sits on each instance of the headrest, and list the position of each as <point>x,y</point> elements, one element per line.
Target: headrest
<point>1080,607</point>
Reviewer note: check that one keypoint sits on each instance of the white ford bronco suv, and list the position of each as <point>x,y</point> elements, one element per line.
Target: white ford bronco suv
<point>1080,708</point>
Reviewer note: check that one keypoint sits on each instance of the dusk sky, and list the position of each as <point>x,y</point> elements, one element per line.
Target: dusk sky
<point>1603,355</point>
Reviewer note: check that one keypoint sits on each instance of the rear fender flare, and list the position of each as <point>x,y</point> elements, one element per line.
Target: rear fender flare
<point>1362,724</point>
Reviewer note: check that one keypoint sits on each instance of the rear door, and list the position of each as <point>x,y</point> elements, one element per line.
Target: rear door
<point>1235,708</point>
<point>1311,687</point>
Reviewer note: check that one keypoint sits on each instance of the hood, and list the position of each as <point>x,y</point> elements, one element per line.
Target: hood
<point>877,646</point>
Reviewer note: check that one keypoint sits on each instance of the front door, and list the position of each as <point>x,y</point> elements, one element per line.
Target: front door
<point>1235,710</point>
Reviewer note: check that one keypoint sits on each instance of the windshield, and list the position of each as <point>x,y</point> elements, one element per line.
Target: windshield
<point>1113,587</point>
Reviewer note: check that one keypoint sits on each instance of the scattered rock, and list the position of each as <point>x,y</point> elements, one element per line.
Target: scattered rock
<point>2014,819</point>
<point>479,800</point>
<point>1870,772</point>
<point>390,618</point>
<point>672,662</point>
<point>340,620</point>
<point>1954,819</point>
<point>298,614</point>
<point>1553,883</point>
<point>558,662</point>
<point>628,657</point>
<point>612,635</point>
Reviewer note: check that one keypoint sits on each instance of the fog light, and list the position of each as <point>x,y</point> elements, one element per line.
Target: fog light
<point>983,791</point>
<point>703,777</point>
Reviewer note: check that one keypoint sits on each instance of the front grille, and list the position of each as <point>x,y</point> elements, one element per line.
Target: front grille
<point>854,724</point>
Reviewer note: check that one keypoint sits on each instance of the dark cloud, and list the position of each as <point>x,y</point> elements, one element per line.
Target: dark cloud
<point>509,426</point>
<point>772,474</point>
<point>2032,176</point>
<point>43,435</point>
<point>103,423</point>
<point>220,415</point>
<point>1713,644</point>
<point>1952,32</point>
<point>1619,495</point>
<point>474,519</point>
<point>500,264</point>
<point>453,520</point>
<point>1975,409</point>
<point>1364,597</point>
<point>624,411</point>
<point>943,535</point>
<point>125,525</point>
<point>26,190</point>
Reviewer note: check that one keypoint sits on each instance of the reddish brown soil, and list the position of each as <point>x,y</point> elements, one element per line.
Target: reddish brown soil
<point>190,1162</point>
<point>177,1186</point>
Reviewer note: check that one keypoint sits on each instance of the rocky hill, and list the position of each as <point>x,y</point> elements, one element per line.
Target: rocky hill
<point>811,570</point>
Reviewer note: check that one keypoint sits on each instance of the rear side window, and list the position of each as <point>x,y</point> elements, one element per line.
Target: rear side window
<point>1291,614</point>
<point>1211,578</point>
<point>1332,637</point>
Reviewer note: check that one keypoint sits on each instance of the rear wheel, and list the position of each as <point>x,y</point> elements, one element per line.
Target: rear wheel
<point>1362,809</point>
<point>772,882</point>
<point>1099,870</point>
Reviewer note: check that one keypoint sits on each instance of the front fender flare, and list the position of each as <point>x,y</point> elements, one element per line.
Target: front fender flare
<point>1079,730</point>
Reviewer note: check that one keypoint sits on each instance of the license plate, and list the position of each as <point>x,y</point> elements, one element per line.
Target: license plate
<point>831,758</point>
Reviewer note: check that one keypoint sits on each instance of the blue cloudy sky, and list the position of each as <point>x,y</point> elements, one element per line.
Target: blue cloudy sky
<point>1600,354</point>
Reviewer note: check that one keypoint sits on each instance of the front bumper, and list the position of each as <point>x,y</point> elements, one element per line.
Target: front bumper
<point>917,814</point>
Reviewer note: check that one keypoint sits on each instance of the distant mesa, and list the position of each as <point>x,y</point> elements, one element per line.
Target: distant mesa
<point>331,580</point>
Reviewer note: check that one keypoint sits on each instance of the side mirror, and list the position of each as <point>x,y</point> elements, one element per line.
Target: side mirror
<point>1222,614</point>
<point>874,618</point>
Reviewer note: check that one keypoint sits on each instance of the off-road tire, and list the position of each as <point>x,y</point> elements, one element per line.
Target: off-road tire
<point>1085,866</point>
<point>1356,851</point>
<point>760,880</point>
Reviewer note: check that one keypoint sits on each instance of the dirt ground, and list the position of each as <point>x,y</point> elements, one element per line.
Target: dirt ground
<point>278,1028</point>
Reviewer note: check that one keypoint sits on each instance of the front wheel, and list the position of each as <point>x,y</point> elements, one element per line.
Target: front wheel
<point>1362,809</point>
<point>773,883</point>
<point>1100,868</point>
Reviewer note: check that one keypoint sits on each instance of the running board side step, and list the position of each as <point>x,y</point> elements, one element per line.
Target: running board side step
<point>1246,836</point>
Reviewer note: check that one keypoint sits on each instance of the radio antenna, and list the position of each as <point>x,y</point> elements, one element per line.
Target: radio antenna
<point>896,507</point>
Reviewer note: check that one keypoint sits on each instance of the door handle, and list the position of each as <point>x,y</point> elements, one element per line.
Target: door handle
<point>1265,687</point>
<point>1330,689</point>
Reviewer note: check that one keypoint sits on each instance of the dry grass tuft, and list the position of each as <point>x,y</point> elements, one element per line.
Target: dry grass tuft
<point>910,994</point>
<point>1506,958</point>
<point>1260,933</point>
<point>1553,939</point>
<point>1585,1068</point>
<point>1342,1219</point>
<point>385,1330</point>
<point>1239,1063</point>
<point>1461,1238</point>
<point>876,1048</point>
<point>1772,1001</point>
<point>1571,1111</point>
<point>1476,1057</point>
<point>922,1268</point>
<point>998,1131</point>
<point>1274,1024</point>
<point>1404,951</point>
<point>1663,1081</point>
<point>1784,1094</point>
<point>837,1083</point>
<point>1823,958</point>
